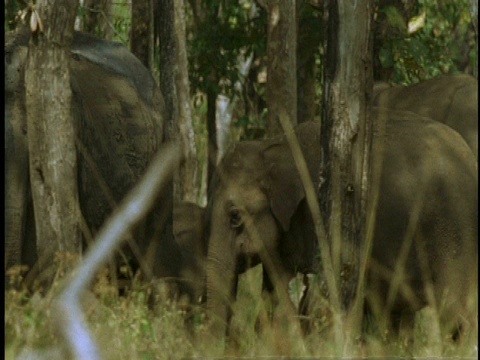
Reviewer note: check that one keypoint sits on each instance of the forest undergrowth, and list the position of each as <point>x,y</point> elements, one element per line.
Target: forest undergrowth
<point>145,323</point>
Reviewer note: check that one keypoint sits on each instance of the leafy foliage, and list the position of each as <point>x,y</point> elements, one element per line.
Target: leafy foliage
<point>443,42</point>
<point>216,44</point>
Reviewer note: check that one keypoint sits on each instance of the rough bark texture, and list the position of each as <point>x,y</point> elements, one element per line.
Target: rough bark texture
<point>140,33</point>
<point>212,132</point>
<point>51,133</point>
<point>474,14</point>
<point>167,64</point>
<point>189,173</point>
<point>176,89</point>
<point>16,161</point>
<point>281,58</point>
<point>308,42</point>
<point>346,135</point>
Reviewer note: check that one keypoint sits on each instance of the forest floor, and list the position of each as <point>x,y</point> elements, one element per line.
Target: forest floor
<point>140,325</point>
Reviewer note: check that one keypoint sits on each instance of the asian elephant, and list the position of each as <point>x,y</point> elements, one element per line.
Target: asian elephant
<point>450,99</point>
<point>258,207</point>
<point>118,112</point>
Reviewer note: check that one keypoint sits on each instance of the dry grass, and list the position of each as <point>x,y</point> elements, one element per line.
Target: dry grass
<point>130,327</point>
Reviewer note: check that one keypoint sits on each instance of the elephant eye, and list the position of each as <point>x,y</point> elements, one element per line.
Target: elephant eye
<point>235,218</point>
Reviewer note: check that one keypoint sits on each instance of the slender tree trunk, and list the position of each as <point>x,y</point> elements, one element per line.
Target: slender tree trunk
<point>281,59</point>
<point>176,89</point>
<point>51,133</point>
<point>189,172</point>
<point>212,132</point>
<point>167,64</point>
<point>308,42</point>
<point>346,140</point>
<point>474,15</point>
<point>141,39</point>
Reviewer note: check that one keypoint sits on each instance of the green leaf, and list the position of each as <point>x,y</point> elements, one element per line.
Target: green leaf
<point>386,57</point>
<point>416,23</point>
<point>395,19</point>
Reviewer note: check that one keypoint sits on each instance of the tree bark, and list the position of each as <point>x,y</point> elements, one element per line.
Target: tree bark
<point>346,137</point>
<point>176,89</point>
<point>51,134</point>
<point>141,38</point>
<point>308,42</point>
<point>281,59</point>
<point>167,64</point>
<point>212,131</point>
<point>474,15</point>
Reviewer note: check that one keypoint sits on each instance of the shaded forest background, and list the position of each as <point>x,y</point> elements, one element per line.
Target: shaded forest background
<point>414,41</point>
<point>227,55</point>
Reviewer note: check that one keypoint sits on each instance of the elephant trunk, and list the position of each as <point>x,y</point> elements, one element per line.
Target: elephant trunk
<point>220,282</point>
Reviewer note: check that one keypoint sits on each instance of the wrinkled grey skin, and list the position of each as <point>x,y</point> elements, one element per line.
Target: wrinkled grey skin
<point>258,200</point>
<point>189,231</point>
<point>118,113</point>
<point>450,99</point>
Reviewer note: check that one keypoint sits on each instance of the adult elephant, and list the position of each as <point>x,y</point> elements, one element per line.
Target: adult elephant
<point>118,112</point>
<point>428,190</point>
<point>449,99</point>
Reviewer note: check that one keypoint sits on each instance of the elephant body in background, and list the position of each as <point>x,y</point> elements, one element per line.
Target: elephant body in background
<point>118,111</point>
<point>258,207</point>
<point>449,99</point>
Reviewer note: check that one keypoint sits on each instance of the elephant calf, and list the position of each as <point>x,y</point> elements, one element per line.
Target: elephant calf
<point>427,206</point>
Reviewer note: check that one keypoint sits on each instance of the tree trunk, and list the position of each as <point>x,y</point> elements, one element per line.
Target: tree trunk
<point>308,42</point>
<point>16,176</point>
<point>212,131</point>
<point>345,140</point>
<point>176,89</point>
<point>189,172</point>
<point>474,15</point>
<point>281,59</point>
<point>141,38</point>
<point>51,134</point>
<point>167,64</point>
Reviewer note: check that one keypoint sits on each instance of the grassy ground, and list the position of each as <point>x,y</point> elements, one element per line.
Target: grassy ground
<point>130,327</point>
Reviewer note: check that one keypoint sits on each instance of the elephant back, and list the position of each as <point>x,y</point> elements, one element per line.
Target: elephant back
<point>118,112</point>
<point>120,122</point>
<point>449,99</point>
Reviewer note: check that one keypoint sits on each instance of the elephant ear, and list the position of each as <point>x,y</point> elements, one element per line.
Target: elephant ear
<point>282,183</point>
